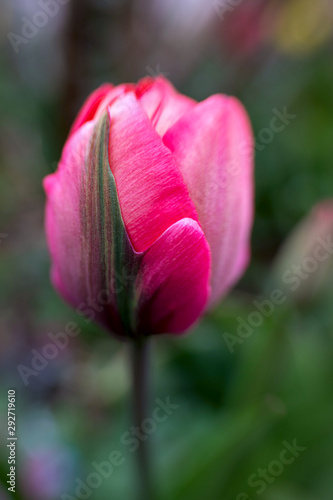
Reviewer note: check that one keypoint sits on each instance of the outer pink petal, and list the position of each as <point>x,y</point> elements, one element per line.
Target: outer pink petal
<point>76,274</point>
<point>175,283</point>
<point>63,223</point>
<point>150,186</point>
<point>162,103</point>
<point>89,108</point>
<point>213,146</point>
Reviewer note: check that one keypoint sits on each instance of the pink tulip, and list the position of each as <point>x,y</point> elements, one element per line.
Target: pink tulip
<point>149,214</point>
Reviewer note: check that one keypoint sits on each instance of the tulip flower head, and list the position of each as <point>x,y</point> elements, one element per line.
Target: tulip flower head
<point>149,214</point>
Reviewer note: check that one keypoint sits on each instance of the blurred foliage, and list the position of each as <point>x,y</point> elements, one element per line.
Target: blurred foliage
<point>235,409</point>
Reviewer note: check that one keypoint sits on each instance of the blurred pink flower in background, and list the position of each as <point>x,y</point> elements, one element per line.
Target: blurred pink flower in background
<point>43,474</point>
<point>150,210</point>
<point>47,462</point>
<point>244,27</point>
<point>305,260</point>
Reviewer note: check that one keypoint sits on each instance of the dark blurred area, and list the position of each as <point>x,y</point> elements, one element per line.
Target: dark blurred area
<point>240,401</point>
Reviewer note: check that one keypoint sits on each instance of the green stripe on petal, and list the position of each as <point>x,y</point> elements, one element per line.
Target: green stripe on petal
<point>113,265</point>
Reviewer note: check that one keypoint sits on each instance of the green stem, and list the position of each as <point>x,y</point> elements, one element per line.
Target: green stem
<point>140,372</point>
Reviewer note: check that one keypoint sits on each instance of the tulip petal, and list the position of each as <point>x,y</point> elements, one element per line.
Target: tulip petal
<point>63,224</point>
<point>90,249</point>
<point>175,278</point>
<point>111,96</point>
<point>89,108</point>
<point>213,147</point>
<point>150,186</point>
<point>162,103</point>
<point>163,289</point>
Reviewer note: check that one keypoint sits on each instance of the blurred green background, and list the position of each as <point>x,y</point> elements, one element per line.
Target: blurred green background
<point>238,405</point>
